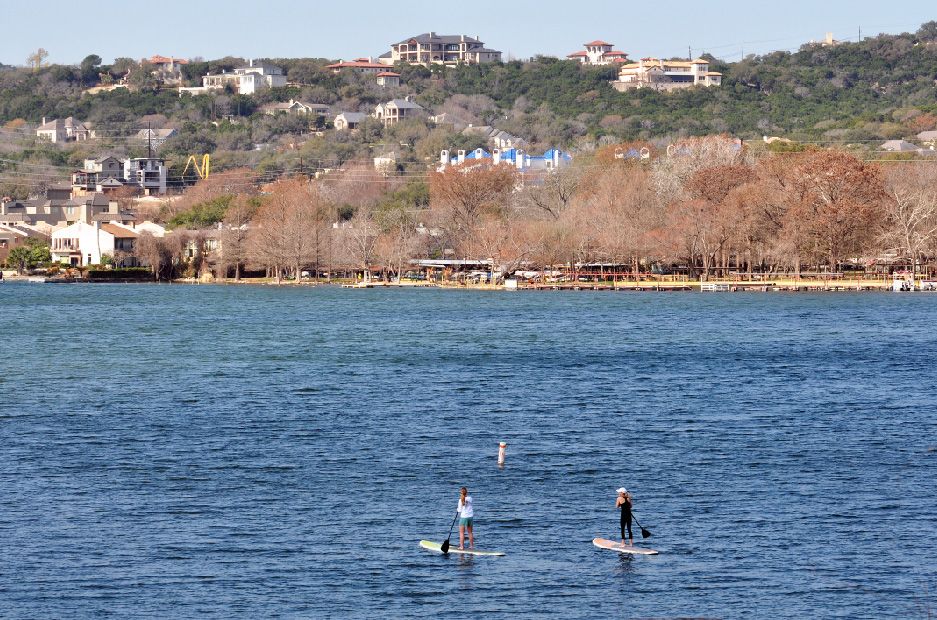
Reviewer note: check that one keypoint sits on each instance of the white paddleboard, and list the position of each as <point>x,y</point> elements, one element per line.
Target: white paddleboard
<point>613,545</point>
<point>437,547</point>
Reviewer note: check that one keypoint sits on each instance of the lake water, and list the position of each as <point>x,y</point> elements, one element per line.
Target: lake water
<point>199,451</point>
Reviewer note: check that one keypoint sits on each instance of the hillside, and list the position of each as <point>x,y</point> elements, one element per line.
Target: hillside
<point>853,93</point>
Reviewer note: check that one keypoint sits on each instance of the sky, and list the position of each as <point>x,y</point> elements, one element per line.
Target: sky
<point>519,28</point>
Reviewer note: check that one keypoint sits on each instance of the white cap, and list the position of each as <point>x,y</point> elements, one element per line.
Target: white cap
<point>502,444</point>
<point>621,490</point>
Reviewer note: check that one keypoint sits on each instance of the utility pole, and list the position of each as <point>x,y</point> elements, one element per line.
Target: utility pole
<point>860,34</point>
<point>149,140</point>
<point>689,53</point>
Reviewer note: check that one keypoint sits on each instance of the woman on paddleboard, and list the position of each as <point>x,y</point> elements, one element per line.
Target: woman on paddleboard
<point>623,503</point>
<point>466,513</point>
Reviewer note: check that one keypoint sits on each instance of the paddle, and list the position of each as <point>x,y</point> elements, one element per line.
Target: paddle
<point>445,543</point>
<point>644,532</point>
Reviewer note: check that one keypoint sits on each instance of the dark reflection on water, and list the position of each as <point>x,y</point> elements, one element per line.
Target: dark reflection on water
<point>251,452</point>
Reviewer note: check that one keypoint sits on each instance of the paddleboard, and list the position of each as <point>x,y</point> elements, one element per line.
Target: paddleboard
<point>613,545</point>
<point>437,547</point>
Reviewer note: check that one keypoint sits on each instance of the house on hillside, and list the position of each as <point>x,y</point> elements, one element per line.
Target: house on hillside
<point>95,172</point>
<point>59,206</point>
<point>358,65</point>
<point>397,110</point>
<point>598,53</point>
<point>386,162</point>
<point>245,80</point>
<point>432,49</point>
<point>166,68</point>
<point>551,160</point>
<point>388,79</point>
<point>155,137</point>
<point>928,138</point>
<point>64,130</point>
<point>665,74</point>
<point>295,107</point>
<point>146,173</point>
<point>496,138</point>
<point>349,120</point>
<point>900,146</point>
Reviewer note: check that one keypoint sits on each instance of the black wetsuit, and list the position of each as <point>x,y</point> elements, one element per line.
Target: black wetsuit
<point>626,519</point>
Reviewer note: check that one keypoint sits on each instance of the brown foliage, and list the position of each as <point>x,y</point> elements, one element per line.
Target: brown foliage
<point>287,228</point>
<point>463,194</point>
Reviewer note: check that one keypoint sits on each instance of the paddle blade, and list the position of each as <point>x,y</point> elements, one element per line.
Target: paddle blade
<point>645,533</point>
<point>445,546</point>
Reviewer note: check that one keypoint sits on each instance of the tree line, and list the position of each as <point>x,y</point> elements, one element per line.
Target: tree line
<point>708,207</point>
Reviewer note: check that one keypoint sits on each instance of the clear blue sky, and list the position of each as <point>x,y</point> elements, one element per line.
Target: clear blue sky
<point>521,28</point>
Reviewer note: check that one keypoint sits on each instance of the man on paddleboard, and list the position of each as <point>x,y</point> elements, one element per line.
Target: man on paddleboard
<point>466,514</point>
<point>623,503</point>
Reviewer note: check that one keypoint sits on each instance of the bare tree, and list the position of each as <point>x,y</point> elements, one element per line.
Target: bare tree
<point>552,192</point>
<point>235,233</point>
<point>463,194</point>
<point>284,234</point>
<point>911,211</point>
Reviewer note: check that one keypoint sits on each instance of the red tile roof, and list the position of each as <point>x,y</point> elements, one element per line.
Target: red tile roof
<point>388,74</point>
<point>597,42</point>
<point>576,54</point>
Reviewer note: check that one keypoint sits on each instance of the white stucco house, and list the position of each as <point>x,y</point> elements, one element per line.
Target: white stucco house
<point>83,244</point>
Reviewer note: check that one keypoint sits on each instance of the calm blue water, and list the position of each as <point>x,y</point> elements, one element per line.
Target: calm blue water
<point>173,451</point>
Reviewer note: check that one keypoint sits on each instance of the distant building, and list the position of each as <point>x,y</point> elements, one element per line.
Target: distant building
<point>13,236</point>
<point>386,162</point>
<point>928,138</point>
<point>245,80</point>
<point>155,137</point>
<point>598,53</point>
<point>666,74</point>
<point>98,173</point>
<point>349,120</point>
<point>552,159</point>
<point>295,107</point>
<point>432,49</point>
<point>397,110</point>
<point>388,79</point>
<point>58,207</point>
<point>82,244</point>
<point>900,146</point>
<point>146,173</point>
<point>358,65</point>
<point>496,138</point>
<point>167,68</point>
<point>64,130</point>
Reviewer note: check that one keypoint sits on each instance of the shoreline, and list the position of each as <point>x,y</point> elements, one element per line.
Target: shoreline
<point>715,286</point>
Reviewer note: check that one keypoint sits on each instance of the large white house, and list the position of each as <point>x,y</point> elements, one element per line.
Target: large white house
<point>440,49</point>
<point>83,244</point>
<point>64,130</point>
<point>396,110</point>
<point>666,74</point>
<point>245,80</point>
<point>598,52</point>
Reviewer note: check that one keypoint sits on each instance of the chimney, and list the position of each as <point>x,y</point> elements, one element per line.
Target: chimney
<point>461,156</point>
<point>432,35</point>
<point>43,120</point>
<point>496,156</point>
<point>250,63</point>
<point>519,159</point>
<point>444,157</point>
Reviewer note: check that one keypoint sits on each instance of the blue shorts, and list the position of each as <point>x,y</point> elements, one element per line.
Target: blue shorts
<point>466,521</point>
